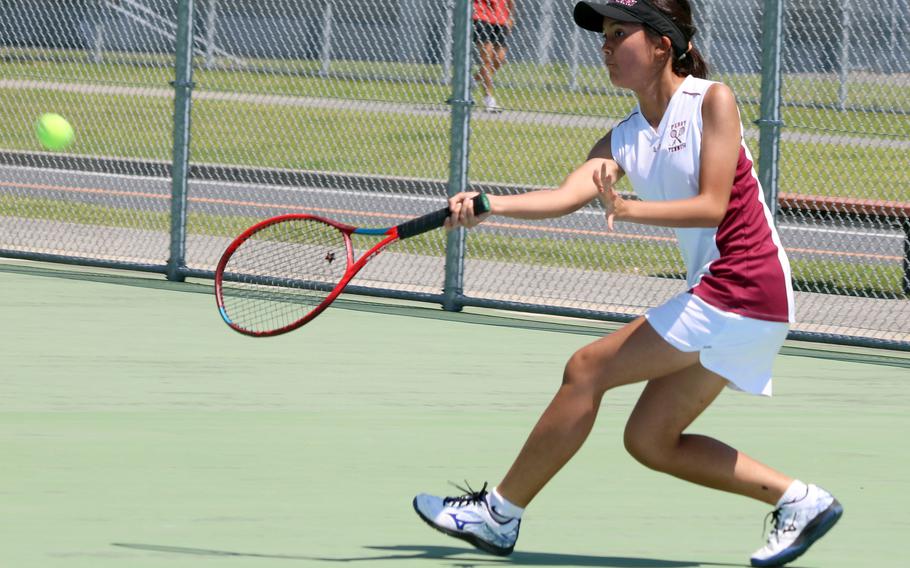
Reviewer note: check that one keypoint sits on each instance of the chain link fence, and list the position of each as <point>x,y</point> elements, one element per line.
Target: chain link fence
<point>348,109</point>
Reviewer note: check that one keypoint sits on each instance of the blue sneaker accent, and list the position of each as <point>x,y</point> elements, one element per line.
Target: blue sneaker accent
<point>460,523</point>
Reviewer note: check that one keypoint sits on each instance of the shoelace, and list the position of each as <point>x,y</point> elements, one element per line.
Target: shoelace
<point>470,496</point>
<point>775,523</point>
<point>776,519</point>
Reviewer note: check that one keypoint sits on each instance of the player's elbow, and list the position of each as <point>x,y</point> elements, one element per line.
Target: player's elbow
<point>715,218</point>
<point>713,211</point>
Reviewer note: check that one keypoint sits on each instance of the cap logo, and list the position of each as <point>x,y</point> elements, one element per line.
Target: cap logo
<point>628,3</point>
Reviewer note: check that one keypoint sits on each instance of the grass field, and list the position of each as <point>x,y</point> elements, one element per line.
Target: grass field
<point>547,88</point>
<point>258,133</point>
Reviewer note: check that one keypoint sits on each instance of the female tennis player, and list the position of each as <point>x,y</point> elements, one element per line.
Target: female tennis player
<point>682,148</point>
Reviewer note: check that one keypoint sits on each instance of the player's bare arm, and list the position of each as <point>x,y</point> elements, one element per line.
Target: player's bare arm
<point>577,190</point>
<point>720,150</point>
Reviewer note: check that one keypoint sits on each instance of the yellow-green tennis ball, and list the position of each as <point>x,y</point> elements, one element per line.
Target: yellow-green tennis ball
<point>54,132</point>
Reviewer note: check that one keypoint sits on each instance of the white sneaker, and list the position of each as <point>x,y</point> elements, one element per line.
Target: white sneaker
<point>796,525</point>
<point>468,517</point>
<point>490,105</point>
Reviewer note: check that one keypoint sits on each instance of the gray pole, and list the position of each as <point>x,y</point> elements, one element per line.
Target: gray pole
<point>458,158</point>
<point>447,44</point>
<point>183,86</point>
<point>844,55</point>
<point>770,122</point>
<point>573,58</point>
<point>99,29</point>
<point>211,22</point>
<point>707,44</point>
<point>892,44</point>
<point>325,54</point>
<point>545,32</point>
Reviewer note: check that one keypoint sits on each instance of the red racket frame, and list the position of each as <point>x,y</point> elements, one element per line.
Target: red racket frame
<point>353,267</point>
<point>422,224</point>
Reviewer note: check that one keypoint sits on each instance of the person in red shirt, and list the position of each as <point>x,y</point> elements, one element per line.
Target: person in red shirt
<point>492,26</point>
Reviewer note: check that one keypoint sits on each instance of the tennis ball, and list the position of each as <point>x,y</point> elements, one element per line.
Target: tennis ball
<point>54,132</point>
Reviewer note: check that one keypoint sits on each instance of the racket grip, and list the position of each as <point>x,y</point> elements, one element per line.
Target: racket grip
<point>436,219</point>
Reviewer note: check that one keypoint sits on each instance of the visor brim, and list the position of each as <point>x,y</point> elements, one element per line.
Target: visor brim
<point>591,16</point>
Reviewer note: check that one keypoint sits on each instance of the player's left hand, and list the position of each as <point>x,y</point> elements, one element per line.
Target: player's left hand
<point>613,203</point>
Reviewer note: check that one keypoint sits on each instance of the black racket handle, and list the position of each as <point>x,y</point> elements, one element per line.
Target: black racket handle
<point>436,219</point>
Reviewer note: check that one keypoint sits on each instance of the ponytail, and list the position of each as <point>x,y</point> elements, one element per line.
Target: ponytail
<point>692,62</point>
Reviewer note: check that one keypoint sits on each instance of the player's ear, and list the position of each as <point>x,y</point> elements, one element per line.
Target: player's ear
<point>664,47</point>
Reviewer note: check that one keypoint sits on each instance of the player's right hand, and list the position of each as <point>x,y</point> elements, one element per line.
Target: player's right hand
<point>461,207</point>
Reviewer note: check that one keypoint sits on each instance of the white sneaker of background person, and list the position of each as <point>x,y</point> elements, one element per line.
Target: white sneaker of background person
<point>490,105</point>
<point>470,517</point>
<point>803,515</point>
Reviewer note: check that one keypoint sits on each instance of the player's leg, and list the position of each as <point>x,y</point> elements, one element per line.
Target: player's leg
<point>632,354</point>
<point>654,436</point>
<point>491,520</point>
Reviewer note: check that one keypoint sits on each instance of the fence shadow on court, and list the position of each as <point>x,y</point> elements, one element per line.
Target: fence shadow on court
<point>460,557</point>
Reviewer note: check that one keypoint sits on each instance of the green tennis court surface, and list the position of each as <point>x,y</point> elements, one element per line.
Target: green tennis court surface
<point>136,430</point>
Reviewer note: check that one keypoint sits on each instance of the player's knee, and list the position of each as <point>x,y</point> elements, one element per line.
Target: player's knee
<point>584,371</point>
<point>648,448</point>
<point>595,368</point>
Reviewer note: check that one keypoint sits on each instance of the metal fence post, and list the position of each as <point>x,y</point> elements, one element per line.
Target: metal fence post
<point>458,157</point>
<point>573,58</point>
<point>98,31</point>
<point>211,24</point>
<point>183,86</point>
<point>447,44</point>
<point>325,51</point>
<point>844,60</point>
<point>707,44</point>
<point>770,122</point>
<point>545,32</point>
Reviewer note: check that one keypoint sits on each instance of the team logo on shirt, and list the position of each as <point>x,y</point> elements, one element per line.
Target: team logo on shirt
<point>677,131</point>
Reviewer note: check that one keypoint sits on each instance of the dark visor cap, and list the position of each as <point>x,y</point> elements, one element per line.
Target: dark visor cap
<point>590,16</point>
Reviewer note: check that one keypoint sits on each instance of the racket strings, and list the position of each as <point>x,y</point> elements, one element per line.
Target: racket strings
<point>281,273</point>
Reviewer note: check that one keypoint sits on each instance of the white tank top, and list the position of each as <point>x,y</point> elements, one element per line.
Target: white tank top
<point>738,266</point>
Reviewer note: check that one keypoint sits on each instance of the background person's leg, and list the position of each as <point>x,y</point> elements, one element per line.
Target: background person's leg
<point>488,66</point>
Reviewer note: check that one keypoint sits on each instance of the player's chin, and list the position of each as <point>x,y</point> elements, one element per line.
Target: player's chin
<point>616,77</point>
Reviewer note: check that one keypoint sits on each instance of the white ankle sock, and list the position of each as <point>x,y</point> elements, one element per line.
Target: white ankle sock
<point>796,492</point>
<point>502,507</point>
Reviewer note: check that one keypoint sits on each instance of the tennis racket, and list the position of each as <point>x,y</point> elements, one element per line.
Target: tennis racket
<point>281,273</point>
